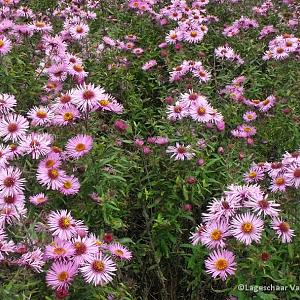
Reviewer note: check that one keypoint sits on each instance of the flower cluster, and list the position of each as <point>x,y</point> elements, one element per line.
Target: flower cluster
<point>227,53</point>
<point>242,213</point>
<point>282,175</point>
<point>243,23</point>
<point>31,139</point>
<point>196,106</point>
<point>282,47</point>
<point>264,8</point>
<point>190,66</point>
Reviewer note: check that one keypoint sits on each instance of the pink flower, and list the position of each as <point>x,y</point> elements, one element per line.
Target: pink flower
<point>215,233</point>
<point>98,269</point>
<point>10,181</point>
<point>59,249</point>
<point>38,199</point>
<point>13,127</point>
<point>283,230</point>
<point>40,116</point>
<point>61,274</point>
<point>70,185</point>
<point>278,183</point>
<point>177,111</point>
<point>201,111</point>
<point>221,263</point>
<point>87,96</point>
<point>293,175</point>
<point>61,224</point>
<point>5,45</point>
<point>52,178</point>
<point>79,31</point>
<point>180,152</point>
<point>261,205</point>
<point>119,251</point>
<point>79,145</point>
<point>149,65</point>
<point>7,103</point>
<point>36,144</point>
<point>84,248</point>
<point>247,228</point>
<point>249,116</point>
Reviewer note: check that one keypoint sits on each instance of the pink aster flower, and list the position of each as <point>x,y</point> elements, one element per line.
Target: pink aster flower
<point>10,181</point>
<point>177,111</point>
<point>62,225</point>
<point>52,178</point>
<point>40,116</point>
<point>180,152</point>
<point>197,236</point>
<point>98,269</point>
<point>36,144</point>
<point>63,101</point>
<point>13,127</point>
<point>119,251</point>
<point>149,65</point>
<point>279,53</point>
<point>79,31</point>
<point>223,208</point>
<point>66,116</point>
<point>220,263</point>
<point>5,45</point>
<point>59,249</point>
<point>109,103</point>
<point>292,175</point>
<point>53,160</point>
<point>70,185</point>
<point>41,26</point>
<point>86,97</point>
<point>79,145</point>
<point>16,200</point>
<point>7,103</point>
<point>202,74</point>
<point>193,36</point>
<point>61,274</point>
<point>174,36</point>
<point>254,175</point>
<point>262,206</point>
<point>215,234</point>
<point>5,248</point>
<point>283,230</point>
<point>201,111</point>
<point>77,70</point>
<point>247,228</point>
<point>192,98</point>
<point>38,199</point>
<point>267,104</point>
<point>278,184</point>
<point>33,259</point>
<point>249,116</point>
<point>4,155</point>
<point>84,248</point>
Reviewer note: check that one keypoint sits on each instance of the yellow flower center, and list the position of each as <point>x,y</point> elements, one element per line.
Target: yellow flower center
<point>63,276</point>
<point>59,250</point>
<point>104,102</point>
<point>221,264</point>
<point>67,185</point>
<point>80,147</point>
<point>216,235</point>
<point>247,227</point>
<point>98,266</point>
<point>68,116</point>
